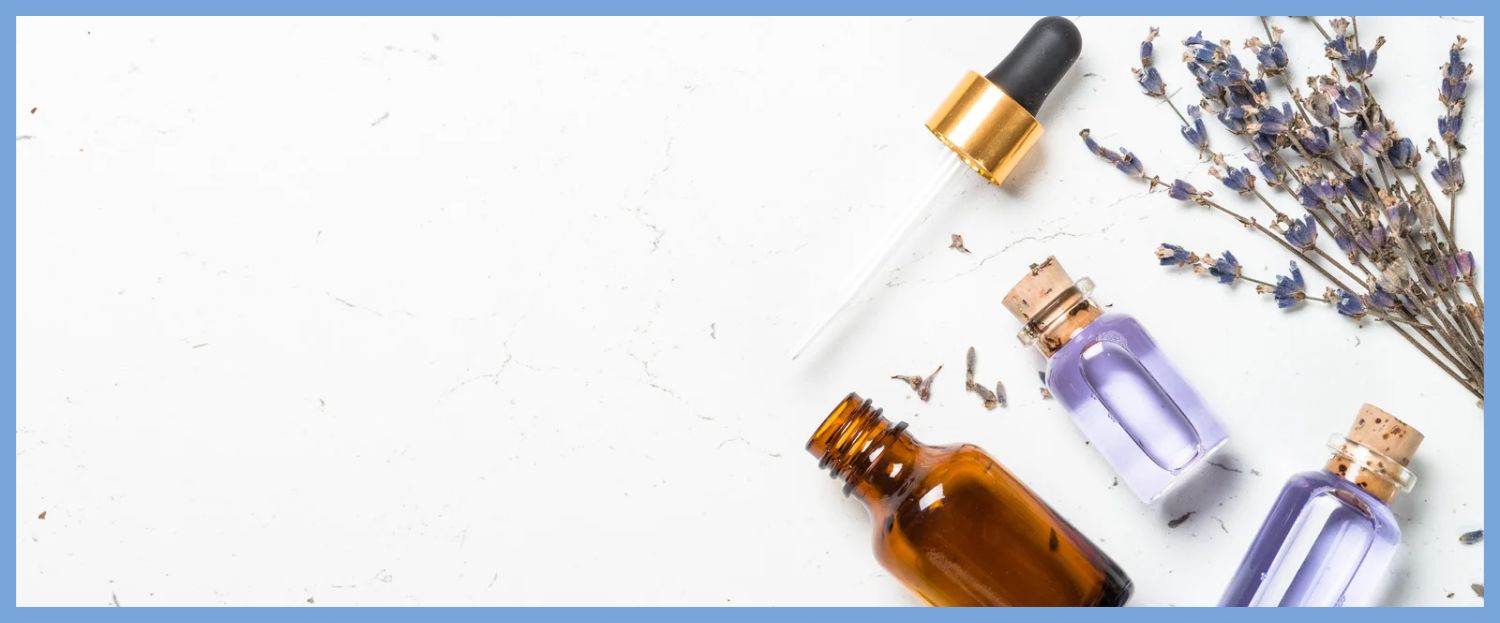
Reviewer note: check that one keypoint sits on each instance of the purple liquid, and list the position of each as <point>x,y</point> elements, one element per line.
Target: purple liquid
<point>1326,543</point>
<point>1132,404</point>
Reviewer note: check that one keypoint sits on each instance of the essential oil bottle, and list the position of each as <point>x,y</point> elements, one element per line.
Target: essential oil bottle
<point>1130,402</point>
<point>954,526</point>
<point>1331,533</point>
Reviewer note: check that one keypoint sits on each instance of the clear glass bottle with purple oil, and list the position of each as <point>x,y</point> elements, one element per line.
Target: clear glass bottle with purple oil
<point>1130,402</point>
<point>1331,534</point>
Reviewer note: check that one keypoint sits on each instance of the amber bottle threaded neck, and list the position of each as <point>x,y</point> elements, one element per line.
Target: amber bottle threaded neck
<point>852,439</point>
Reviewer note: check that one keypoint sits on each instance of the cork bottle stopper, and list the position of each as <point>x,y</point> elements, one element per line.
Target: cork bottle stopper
<point>1384,433</point>
<point>1037,289</point>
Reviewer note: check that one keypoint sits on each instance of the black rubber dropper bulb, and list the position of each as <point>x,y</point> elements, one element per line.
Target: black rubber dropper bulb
<point>1038,62</point>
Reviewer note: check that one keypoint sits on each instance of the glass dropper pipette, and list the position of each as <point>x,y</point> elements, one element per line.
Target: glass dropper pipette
<point>988,123</point>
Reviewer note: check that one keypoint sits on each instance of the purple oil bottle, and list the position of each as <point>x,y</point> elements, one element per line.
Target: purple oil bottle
<point>1331,533</point>
<point>1123,393</point>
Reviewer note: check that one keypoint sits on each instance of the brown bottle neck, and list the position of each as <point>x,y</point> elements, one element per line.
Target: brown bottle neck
<point>875,458</point>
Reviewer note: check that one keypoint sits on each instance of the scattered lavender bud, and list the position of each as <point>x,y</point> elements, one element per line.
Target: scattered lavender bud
<point>1471,538</point>
<point>1478,589</point>
<point>921,385</point>
<point>1000,393</point>
<point>1147,48</point>
<point>990,400</point>
<point>957,243</point>
<point>1150,81</point>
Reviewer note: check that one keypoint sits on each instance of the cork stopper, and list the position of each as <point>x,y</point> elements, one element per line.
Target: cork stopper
<point>1375,453</point>
<point>1051,306</point>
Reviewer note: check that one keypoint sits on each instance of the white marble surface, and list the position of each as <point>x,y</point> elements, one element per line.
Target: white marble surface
<point>495,311</point>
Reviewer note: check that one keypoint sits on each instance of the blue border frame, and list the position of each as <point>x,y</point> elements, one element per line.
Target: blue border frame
<point>667,7</point>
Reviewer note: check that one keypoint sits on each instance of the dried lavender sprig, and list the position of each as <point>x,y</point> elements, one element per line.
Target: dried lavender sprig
<point>1229,73</point>
<point>1185,191</point>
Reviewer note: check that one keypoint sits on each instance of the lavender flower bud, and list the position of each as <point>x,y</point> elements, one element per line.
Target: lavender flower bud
<point>1449,126</point>
<point>1239,180</point>
<point>1351,100</point>
<point>1465,261</point>
<point>1403,153</point>
<point>1173,255</point>
<point>1320,106</point>
<point>1302,234</point>
<point>1181,190</point>
<point>1382,299</point>
<point>1315,141</point>
<point>1195,134</point>
<point>1372,141</point>
<point>1449,175</point>
<point>1147,48</point>
<point>1275,122</point>
<point>1150,81</point>
<point>1345,243</point>
<point>1349,304</point>
<point>1360,189</point>
<point>1290,290</point>
<point>1226,269</point>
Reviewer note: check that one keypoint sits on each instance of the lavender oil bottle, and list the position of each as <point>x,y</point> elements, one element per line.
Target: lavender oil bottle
<point>1331,533</point>
<point>1130,402</point>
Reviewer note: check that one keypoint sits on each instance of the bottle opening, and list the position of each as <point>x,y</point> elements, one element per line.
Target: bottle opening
<point>1367,467</point>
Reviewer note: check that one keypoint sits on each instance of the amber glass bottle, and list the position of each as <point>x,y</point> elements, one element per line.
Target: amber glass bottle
<point>954,526</point>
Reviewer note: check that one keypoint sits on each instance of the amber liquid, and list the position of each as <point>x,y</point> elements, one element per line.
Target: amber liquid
<point>954,526</point>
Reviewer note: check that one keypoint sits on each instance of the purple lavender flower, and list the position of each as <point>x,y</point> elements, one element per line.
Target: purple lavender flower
<point>1372,240</point>
<point>1235,119</point>
<point>1449,175</point>
<point>1270,168</point>
<point>1303,233</point>
<point>1455,80</point>
<point>1345,243</point>
<point>1403,153</point>
<point>1449,126</point>
<point>1275,122</point>
<point>1372,140</point>
<point>1196,134</point>
<point>1211,91</point>
<point>1320,106</point>
<point>1239,180</point>
<point>1360,189</point>
<point>1199,50</point>
<point>1226,269</point>
<point>1358,63</point>
<point>1465,262</point>
<point>1150,81</point>
<point>1173,255</point>
<point>1315,141</point>
<point>1349,304</point>
<point>1130,165</point>
<point>1351,100</point>
<point>1401,216</point>
<point>1147,48</point>
<point>1382,299</point>
<point>1181,190</point>
<point>1272,56</point>
<point>1290,290</point>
